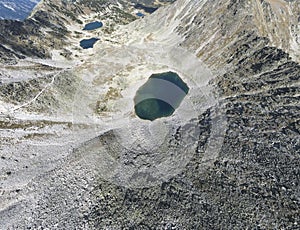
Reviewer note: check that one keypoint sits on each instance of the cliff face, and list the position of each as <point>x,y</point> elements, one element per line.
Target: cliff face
<point>75,155</point>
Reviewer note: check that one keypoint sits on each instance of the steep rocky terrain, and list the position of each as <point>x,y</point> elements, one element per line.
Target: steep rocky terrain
<point>75,156</point>
<point>16,9</point>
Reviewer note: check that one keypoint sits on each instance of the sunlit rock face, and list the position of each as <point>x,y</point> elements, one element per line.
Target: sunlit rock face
<point>74,153</point>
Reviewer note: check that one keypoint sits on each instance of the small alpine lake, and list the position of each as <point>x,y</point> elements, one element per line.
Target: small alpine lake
<point>160,96</point>
<point>93,25</point>
<point>88,43</point>
<point>139,14</point>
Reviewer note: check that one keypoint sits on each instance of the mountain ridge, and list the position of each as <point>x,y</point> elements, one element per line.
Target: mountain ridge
<point>86,151</point>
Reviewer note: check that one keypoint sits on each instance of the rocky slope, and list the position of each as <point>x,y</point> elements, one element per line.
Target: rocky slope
<point>16,9</point>
<point>46,28</point>
<point>74,155</point>
<point>50,22</point>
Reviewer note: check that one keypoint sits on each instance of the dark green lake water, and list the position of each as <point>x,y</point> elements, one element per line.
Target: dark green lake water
<point>160,96</point>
